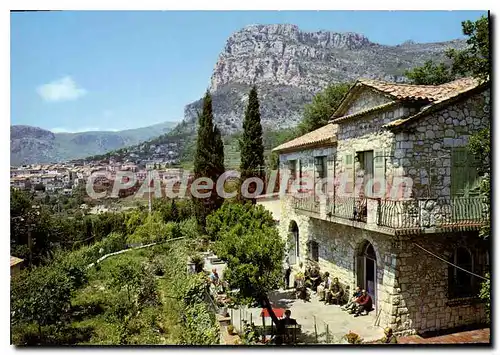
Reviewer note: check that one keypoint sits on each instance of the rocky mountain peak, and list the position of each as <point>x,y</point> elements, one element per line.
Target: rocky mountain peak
<point>272,53</point>
<point>289,66</point>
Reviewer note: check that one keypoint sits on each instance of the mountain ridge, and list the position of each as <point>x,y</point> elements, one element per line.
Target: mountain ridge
<point>290,66</point>
<point>30,144</point>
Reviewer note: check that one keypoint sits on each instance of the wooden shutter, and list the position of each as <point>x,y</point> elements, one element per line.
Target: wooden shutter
<point>379,172</point>
<point>349,172</point>
<point>458,171</point>
<point>464,175</point>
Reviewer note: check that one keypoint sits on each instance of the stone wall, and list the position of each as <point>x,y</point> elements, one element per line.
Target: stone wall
<point>426,144</point>
<point>421,299</point>
<point>422,151</point>
<point>304,224</point>
<point>306,158</point>
<point>366,99</point>
<point>339,245</point>
<point>412,286</point>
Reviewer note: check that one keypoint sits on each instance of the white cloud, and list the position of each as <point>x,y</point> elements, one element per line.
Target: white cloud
<point>64,89</point>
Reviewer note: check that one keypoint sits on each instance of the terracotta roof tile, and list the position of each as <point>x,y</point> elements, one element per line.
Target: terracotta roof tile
<point>438,104</point>
<point>421,92</point>
<point>15,261</point>
<point>324,134</point>
<point>429,93</point>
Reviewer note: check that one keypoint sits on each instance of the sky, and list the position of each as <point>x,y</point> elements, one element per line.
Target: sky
<point>75,71</point>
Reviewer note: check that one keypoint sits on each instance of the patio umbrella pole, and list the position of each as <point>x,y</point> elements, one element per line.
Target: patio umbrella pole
<point>264,329</point>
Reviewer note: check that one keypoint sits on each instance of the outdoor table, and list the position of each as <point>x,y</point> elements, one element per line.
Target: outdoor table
<point>291,334</point>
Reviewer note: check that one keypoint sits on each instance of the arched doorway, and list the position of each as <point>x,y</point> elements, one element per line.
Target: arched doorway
<point>293,242</point>
<point>366,268</point>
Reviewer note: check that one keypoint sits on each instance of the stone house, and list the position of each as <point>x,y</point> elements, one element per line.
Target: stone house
<point>388,200</point>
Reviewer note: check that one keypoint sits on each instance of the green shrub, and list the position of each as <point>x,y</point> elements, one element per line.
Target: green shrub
<point>189,228</point>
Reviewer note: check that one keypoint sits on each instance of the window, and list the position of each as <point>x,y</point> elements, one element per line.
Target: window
<point>365,160</point>
<point>313,250</point>
<point>292,165</point>
<point>321,168</point>
<point>461,283</point>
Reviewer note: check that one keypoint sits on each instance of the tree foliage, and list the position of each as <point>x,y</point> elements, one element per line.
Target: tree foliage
<point>485,294</point>
<point>251,146</point>
<point>430,74</point>
<point>320,111</point>
<point>209,160</point>
<point>475,59</point>
<point>233,214</point>
<point>253,251</point>
<point>42,296</point>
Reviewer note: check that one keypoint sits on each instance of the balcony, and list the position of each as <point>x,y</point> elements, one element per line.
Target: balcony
<point>438,213</point>
<point>428,215</point>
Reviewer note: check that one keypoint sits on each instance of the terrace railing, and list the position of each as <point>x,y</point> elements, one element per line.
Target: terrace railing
<point>306,203</point>
<point>409,214</point>
<point>433,213</point>
<point>352,208</point>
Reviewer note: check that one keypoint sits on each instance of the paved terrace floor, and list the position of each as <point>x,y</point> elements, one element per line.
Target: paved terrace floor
<point>473,336</point>
<point>315,313</point>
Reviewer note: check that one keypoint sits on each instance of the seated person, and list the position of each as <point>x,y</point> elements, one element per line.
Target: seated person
<point>335,293</point>
<point>216,284</point>
<point>352,303</point>
<point>363,303</point>
<point>286,322</point>
<point>323,286</point>
<point>389,338</point>
<point>301,272</point>
<point>314,277</point>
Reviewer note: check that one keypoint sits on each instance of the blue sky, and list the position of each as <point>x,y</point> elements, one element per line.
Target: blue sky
<point>108,70</point>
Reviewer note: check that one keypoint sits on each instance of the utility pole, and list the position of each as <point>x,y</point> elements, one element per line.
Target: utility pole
<point>149,191</point>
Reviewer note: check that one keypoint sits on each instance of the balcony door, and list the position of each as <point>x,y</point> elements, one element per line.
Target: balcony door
<point>366,270</point>
<point>365,160</point>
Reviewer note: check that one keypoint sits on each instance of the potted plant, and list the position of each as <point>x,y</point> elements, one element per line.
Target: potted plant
<point>230,329</point>
<point>352,338</point>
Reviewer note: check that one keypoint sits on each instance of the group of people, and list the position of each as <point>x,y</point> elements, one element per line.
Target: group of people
<point>359,303</point>
<point>328,290</point>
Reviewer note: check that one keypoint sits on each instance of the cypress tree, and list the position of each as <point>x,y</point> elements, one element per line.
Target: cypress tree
<point>251,147</point>
<point>208,160</point>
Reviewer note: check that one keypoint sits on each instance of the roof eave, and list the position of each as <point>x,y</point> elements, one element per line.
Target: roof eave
<point>365,112</point>
<point>322,143</point>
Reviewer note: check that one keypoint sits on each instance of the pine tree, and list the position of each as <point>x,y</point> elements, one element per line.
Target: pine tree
<point>209,160</point>
<point>251,147</point>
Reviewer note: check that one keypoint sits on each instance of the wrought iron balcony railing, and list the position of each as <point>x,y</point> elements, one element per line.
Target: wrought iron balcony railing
<point>353,208</point>
<point>306,203</point>
<point>433,213</point>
